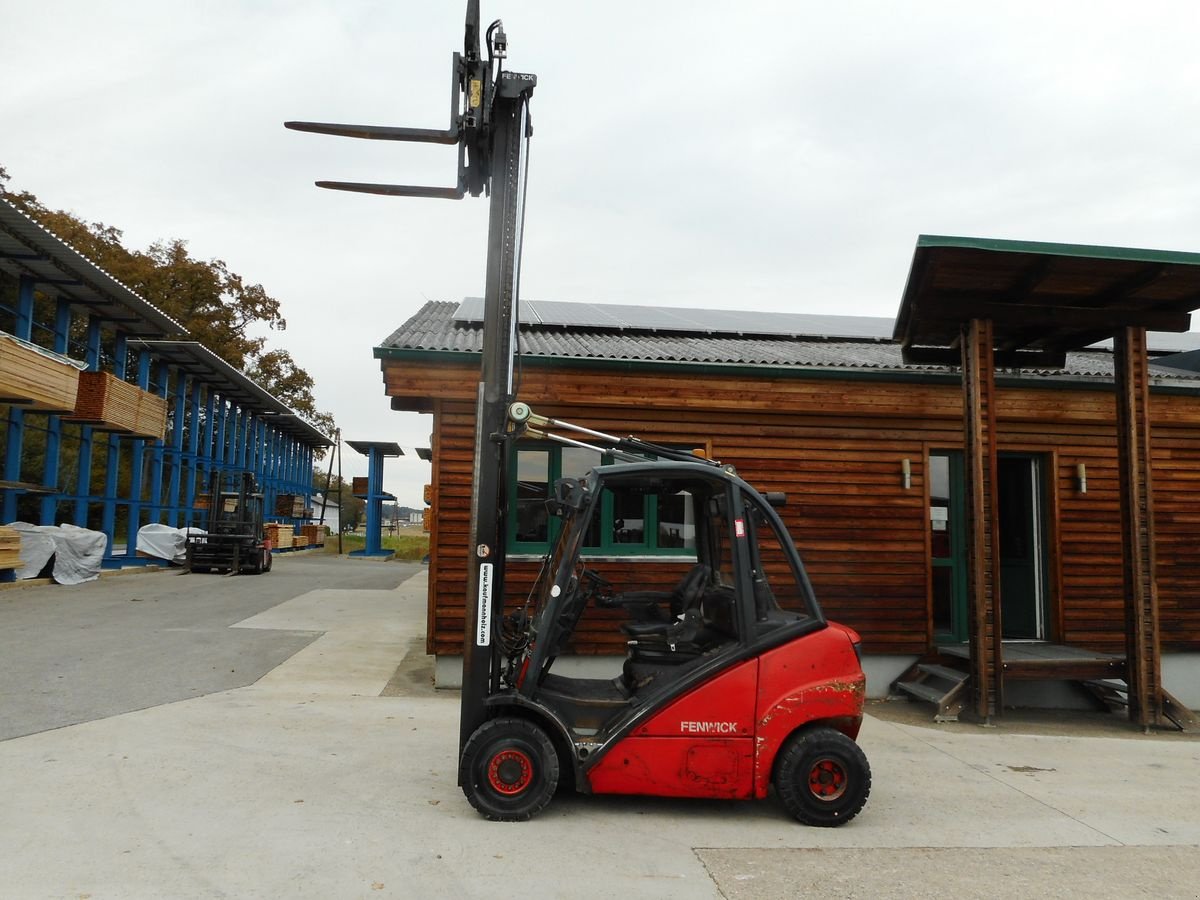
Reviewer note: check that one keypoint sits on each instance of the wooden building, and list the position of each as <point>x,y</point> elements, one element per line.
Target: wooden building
<point>868,449</point>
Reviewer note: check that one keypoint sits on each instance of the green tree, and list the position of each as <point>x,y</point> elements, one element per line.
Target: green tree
<point>218,307</point>
<point>291,384</point>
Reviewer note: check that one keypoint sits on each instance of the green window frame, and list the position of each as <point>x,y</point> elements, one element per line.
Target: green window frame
<point>527,496</point>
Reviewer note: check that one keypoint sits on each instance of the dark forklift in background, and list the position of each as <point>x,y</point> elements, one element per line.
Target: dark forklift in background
<point>734,682</point>
<point>235,540</point>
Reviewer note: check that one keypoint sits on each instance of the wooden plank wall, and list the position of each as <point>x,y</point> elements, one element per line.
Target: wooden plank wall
<point>835,448</point>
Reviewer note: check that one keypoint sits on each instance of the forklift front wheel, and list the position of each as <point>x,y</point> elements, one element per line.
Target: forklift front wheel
<point>509,769</point>
<point>823,777</point>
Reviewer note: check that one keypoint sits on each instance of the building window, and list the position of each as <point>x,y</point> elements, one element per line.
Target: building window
<point>627,523</point>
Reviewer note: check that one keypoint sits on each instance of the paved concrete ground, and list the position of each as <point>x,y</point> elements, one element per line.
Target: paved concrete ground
<point>333,775</point>
<point>69,654</point>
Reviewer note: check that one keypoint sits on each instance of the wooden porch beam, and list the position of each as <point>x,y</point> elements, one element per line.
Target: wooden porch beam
<point>982,518</point>
<point>1144,663</point>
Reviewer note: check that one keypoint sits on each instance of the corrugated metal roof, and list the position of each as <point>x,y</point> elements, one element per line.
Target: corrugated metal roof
<point>438,327</point>
<point>681,320</point>
<point>195,359</point>
<point>26,248</point>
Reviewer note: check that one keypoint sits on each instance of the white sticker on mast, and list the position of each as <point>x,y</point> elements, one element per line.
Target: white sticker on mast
<point>483,631</point>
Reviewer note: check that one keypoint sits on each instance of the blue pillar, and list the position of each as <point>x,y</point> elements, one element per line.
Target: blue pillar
<point>16,418</point>
<point>218,453</point>
<point>193,462</point>
<point>235,423</point>
<point>159,455</point>
<point>112,463</point>
<point>375,453</point>
<point>243,439</point>
<point>49,504</point>
<point>137,460</point>
<point>83,484</point>
<point>177,462</point>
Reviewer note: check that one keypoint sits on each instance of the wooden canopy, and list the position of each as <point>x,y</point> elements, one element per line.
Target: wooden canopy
<point>983,303</point>
<point>1042,299</point>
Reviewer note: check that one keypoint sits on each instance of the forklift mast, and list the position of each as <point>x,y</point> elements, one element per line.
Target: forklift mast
<point>490,124</point>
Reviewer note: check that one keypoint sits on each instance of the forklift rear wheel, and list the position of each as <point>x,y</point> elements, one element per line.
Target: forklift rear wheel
<point>823,777</point>
<point>509,769</point>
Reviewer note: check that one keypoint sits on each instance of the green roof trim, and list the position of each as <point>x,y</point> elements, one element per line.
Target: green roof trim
<point>1086,251</point>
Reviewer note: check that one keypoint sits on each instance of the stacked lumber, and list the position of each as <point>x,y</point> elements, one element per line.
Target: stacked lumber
<point>290,505</point>
<point>300,540</point>
<point>35,378</point>
<point>358,487</point>
<point>278,535</point>
<point>314,533</point>
<point>109,404</point>
<point>10,547</point>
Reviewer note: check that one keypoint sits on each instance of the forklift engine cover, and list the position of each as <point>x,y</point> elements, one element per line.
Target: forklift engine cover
<point>732,682</point>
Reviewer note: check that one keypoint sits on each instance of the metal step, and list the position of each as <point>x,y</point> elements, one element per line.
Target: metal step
<point>1113,694</point>
<point>940,686</point>
<point>954,676</point>
<point>921,691</point>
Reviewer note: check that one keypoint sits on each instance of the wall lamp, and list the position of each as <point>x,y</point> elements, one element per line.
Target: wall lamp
<point>1081,478</point>
<point>906,473</point>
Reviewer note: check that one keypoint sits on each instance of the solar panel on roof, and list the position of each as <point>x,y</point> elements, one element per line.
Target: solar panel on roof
<point>684,320</point>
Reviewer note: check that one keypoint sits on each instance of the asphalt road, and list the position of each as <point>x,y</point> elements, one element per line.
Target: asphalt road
<point>72,654</point>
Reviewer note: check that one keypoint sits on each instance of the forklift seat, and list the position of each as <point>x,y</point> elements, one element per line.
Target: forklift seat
<point>660,647</point>
<point>647,607</point>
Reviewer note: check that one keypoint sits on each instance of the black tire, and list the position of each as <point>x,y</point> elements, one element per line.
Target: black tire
<point>200,570</point>
<point>267,565</point>
<point>822,777</point>
<point>509,769</point>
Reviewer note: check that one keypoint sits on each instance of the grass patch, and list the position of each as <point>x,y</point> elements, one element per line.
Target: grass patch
<point>409,547</point>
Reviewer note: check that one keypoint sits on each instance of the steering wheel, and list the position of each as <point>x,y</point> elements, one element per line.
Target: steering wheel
<point>595,586</point>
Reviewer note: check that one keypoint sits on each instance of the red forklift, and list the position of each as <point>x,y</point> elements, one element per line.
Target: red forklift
<point>733,682</point>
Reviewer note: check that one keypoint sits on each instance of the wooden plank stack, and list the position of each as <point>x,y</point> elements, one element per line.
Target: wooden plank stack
<point>10,547</point>
<point>109,404</point>
<point>290,505</point>
<point>314,533</point>
<point>36,379</point>
<point>358,487</point>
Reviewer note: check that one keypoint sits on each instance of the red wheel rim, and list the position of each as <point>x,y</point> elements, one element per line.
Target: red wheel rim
<point>510,772</point>
<point>827,779</point>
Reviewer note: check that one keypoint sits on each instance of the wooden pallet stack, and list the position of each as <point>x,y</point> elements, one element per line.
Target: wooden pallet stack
<point>314,533</point>
<point>36,379</point>
<point>274,532</point>
<point>109,404</point>
<point>10,547</point>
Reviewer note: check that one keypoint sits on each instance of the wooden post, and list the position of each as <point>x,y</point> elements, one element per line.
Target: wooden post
<point>1143,661</point>
<point>982,518</point>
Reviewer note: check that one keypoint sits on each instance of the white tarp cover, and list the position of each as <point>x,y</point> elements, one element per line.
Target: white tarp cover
<point>165,542</point>
<point>77,551</point>
<point>36,549</point>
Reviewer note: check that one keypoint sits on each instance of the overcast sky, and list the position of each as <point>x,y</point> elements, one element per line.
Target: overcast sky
<point>756,156</point>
